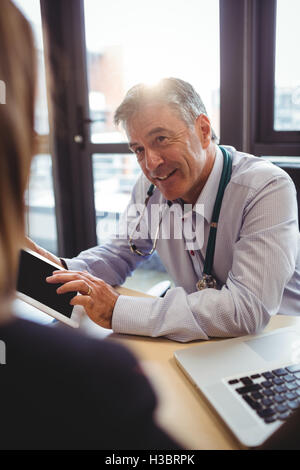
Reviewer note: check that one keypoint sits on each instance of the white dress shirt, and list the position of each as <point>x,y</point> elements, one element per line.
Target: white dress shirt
<point>256,261</point>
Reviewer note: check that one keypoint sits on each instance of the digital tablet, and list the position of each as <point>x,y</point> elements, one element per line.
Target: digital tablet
<point>33,288</point>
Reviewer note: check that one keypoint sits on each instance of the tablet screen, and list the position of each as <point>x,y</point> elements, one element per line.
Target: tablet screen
<point>32,282</point>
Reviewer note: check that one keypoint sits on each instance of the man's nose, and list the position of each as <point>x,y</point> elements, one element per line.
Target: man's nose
<point>153,159</point>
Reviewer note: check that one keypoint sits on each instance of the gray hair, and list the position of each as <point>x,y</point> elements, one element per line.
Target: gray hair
<point>173,92</point>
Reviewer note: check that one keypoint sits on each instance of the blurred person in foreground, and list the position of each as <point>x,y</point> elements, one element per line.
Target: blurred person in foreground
<point>58,390</point>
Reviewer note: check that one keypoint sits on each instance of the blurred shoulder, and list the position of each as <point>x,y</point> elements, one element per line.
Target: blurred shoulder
<point>31,343</point>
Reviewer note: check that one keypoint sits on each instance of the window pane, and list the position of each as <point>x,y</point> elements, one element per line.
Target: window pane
<point>41,220</point>
<point>40,204</point>
<point>133,41</point>
<point>114,177</point>
<point>287,69</point>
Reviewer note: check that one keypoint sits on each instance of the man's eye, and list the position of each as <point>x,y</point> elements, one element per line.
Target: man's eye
<point>161,138</point>
<point>139,151</point>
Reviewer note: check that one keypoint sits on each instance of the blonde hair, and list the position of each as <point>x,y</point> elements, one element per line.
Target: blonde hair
<point>18,72</point>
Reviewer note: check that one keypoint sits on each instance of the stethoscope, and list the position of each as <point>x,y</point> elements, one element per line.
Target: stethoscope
<point>207,279</point>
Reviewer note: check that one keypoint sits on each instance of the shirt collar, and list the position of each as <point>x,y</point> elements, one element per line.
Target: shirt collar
<point>208,194</point>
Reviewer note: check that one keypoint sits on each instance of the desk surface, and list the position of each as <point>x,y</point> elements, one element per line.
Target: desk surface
<point>182,410</point>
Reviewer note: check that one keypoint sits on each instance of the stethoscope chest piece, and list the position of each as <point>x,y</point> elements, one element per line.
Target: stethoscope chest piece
<point>206,282</point>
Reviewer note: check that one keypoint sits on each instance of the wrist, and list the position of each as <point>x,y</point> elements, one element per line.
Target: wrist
<point>63,263</point>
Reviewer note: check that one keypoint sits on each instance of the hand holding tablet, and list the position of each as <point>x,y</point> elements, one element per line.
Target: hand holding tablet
<point>97,297</point>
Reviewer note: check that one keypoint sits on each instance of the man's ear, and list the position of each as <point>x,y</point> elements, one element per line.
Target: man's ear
<point>203,129</point>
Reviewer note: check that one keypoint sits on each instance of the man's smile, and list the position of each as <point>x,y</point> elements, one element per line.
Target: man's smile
<point>163,178</point>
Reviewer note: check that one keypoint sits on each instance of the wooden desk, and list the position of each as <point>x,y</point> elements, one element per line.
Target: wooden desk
<point>182,411</point>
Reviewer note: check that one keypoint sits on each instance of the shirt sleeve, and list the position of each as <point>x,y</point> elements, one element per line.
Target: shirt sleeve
<point>264,259</point>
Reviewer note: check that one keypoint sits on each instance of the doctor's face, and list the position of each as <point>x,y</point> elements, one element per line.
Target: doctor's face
<point>172,155</point>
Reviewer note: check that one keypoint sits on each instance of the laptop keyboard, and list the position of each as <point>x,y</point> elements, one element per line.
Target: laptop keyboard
<point>273,394</point>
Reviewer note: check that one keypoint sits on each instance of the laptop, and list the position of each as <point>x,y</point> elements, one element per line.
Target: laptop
<point>33,289</point>
<point>252,382</point>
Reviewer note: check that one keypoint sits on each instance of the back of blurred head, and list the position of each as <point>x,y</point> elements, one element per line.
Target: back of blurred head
<point>18,72</point>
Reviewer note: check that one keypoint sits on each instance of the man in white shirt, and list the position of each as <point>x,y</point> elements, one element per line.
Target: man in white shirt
<point>255,263</point>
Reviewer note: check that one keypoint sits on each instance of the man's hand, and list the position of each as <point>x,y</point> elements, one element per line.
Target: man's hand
<point>38,249</point>
<point>97,297</point>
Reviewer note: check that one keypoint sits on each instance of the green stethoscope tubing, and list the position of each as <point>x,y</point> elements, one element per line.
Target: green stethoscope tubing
<point>225,178</point>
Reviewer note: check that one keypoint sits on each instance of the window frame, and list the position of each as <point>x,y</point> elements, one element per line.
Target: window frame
<point>248,41</point>
<point>72,170</point>
<point>266,16</point>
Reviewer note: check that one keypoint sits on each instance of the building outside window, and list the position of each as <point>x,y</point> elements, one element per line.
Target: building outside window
<point>287,66</point>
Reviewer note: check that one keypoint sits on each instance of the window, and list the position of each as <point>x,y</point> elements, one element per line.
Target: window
<point>41,220</point>
<point>260,76</point>
<point>114,177</point>
<point>128,43</point>
<point>287,66</point>
<point>131,42</point>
